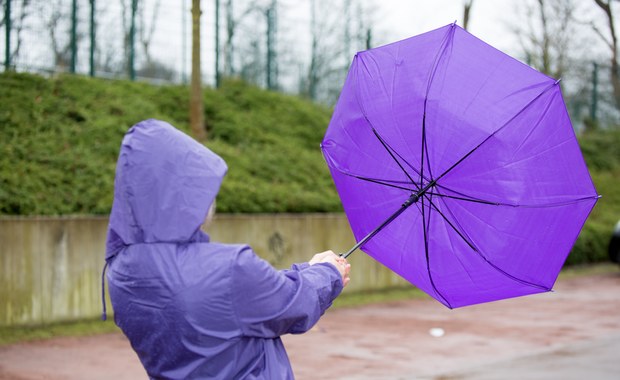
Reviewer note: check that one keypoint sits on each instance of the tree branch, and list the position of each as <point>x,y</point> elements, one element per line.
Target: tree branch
<point>602,36</point>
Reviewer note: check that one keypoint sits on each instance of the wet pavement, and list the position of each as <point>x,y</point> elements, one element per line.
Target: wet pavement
<point>596,359</point>
<point>572,333</point>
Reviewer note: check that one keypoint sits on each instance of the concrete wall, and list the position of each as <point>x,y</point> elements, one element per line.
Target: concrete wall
<point>50,268</point>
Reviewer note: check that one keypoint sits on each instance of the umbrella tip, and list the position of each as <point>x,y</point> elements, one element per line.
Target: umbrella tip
<point>558,81</point>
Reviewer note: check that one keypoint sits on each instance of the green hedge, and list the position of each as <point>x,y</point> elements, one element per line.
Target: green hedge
<point>592,244</point>
<point>60,140</point>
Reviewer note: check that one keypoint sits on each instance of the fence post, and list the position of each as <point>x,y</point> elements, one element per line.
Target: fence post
<point>217,43</point>
<point>593,104</point>
<point>7,23</point>
<point>73,35</point>
<point>271,51</point>
<point>183,42</point>
<point>91,58</point>
<point>132,39</point>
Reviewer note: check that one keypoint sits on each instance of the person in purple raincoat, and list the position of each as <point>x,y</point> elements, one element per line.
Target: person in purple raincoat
<point>191,308</point>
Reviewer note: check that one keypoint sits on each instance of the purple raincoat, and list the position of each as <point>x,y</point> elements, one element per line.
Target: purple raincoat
<point>192,308</point>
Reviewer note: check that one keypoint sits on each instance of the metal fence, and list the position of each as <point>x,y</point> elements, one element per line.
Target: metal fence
<point>296,46</point>
<point>589,95</point>
<point>277,44</point>
<point>130,38</point>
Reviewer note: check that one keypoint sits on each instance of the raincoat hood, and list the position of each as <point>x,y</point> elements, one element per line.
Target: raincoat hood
<point>165,183</point>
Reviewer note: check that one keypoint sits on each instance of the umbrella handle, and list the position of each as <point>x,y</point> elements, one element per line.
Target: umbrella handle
<point>412,199</point>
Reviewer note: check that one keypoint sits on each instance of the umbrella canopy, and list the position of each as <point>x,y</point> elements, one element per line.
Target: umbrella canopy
<point>460,166</point>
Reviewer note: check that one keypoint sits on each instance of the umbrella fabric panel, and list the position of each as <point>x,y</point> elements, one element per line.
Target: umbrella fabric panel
<point>405,249</point>
<point>391,91</point>
<point>460,109</point>
<point>476,90</point>
<point>351,145</point>
<point>460,275</point>
<point>365,210</point>
<point>534,160</point>
<point>530,244</point>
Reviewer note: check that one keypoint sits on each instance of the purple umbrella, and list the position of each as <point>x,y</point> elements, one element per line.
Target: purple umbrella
<point>458,167</point>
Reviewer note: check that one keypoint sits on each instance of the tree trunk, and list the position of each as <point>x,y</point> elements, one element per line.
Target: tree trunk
<point>613,46</point>
<point>546,41</point>
<point>196,115</point>
<point>466,12</point>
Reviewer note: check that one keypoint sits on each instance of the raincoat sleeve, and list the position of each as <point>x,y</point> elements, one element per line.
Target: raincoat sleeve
<point>269,303</point>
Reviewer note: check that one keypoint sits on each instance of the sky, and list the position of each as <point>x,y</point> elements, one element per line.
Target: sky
<point>404,18</point>
<point>490,20</point>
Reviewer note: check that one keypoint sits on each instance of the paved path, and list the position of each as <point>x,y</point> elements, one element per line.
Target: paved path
<point>573,333</point>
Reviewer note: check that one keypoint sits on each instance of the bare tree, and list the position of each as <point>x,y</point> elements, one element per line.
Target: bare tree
<point>250,31</point>
<point>54,14</point>
<point>196,114</point>
<point>232,25</point>
<point>108,59</point>
<point>252,62</point>
<point>612,43</point>
<point>315,58</point>
<point>146,33</point>
<point>324,75</point>
<point>17,25</point>
<point>547,41</point>
<point>149,67</point>
<point>466,10</point>
<point>126,23</point>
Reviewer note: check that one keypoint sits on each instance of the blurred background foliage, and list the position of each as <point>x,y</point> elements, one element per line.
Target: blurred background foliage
<point>61,135</point>
<point>601,149</point>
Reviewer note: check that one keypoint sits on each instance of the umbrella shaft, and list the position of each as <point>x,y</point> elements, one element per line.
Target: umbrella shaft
<point>412,199</point>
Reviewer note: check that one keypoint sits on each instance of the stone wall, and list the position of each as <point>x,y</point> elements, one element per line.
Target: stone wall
<point>50,267</point>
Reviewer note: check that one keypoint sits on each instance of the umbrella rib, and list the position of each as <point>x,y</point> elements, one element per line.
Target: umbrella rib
<point>365,114</point>
<point>425,149</point>
<point>385,182</point>
<point>423,142</point>
<point>470,244</point>
<point>559,204</point>
<point>442,49</point>
<point>406,162</point>
<point>389,150</point>
<point>468,199</point>
<point>425,228</point>
<point>552,85</point>
<point>379,182</point>
<point>473,247</point>
<point>542,205</point>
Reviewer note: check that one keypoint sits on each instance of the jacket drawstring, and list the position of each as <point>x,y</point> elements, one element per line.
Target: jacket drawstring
<point>104,315</point>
